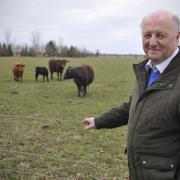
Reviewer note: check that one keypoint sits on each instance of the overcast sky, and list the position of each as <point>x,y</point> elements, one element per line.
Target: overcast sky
<point>111,26</point>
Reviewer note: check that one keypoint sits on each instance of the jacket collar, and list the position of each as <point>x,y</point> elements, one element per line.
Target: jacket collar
<point>171,71</point>
<point>162,66</point>
<point>166,80</point>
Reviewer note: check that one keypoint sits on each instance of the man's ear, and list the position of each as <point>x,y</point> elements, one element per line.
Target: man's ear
<point>178,38</point>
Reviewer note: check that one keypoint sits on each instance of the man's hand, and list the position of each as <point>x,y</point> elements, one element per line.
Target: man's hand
<point>89,123</point>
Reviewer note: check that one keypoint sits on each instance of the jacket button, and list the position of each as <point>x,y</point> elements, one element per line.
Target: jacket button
<point>172,165</point>
<point>144,162</point>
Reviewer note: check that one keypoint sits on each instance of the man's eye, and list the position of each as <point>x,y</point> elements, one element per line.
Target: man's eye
<point>160,36</point>
<point>147,36</point>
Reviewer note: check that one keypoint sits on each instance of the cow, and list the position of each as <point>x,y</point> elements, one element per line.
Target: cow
<point>18,70</point>
<point>82,76</point>
<point>41,71</point>
<point>57,65</point>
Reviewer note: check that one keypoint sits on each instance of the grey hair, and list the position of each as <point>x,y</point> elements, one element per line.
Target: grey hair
<point>175,19</point>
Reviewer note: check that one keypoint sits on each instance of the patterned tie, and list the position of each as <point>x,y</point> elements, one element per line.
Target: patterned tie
<point>153,76</point>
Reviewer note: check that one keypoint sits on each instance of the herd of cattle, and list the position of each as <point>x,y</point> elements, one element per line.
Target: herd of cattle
<point>82,75</point>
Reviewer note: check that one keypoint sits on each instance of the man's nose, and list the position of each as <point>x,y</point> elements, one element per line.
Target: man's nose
<point>153,41</point>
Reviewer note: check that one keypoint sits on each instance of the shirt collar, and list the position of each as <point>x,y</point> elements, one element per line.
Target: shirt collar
<point>162,66</point>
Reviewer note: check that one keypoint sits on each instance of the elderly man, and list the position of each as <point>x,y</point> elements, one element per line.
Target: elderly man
<point>153,112</point>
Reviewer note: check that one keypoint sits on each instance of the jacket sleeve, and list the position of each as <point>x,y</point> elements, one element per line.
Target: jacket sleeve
<point>115,117</point>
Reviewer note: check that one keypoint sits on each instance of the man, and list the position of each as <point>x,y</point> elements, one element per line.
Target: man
<point>153,112</point>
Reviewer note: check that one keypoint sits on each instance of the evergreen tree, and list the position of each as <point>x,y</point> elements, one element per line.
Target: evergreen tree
<point>73,52</point>
<point>1,50</point>
<point>9,50</point>
<point>32,52</point>
<point>64,51</point>
<point>4,51</point>
<point>24,51</point>
<point>51,49</point>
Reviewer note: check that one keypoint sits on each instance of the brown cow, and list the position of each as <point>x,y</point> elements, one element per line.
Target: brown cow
<point>57,65</point>
<point>82,75</point>
<point>18,70</point>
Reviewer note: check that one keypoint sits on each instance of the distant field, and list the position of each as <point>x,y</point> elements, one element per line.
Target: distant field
<point>41,130</point>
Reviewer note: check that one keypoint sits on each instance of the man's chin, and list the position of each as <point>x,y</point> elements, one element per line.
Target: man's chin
<point>154,55</point>
<point>155,59</point>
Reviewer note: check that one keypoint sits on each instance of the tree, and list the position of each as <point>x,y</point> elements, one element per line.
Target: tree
<point>16,49</point>
<point>73,52</point>
<point>7,37</point>
<point>35,40</point>
<point>32,52</point>
<point>9,50</point>
<point>51,49</point>
<point>24,51</point>
<point>64,51</point>
<point>1,50</point>
<point>97,52</point>
<point>4,50</point>
<point>84,52</point>
<point>60,45</point>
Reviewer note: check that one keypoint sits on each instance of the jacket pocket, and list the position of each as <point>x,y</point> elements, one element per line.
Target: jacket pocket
<point>156,168</point>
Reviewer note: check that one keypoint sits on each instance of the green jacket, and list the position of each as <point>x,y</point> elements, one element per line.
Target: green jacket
<point>153,118</point>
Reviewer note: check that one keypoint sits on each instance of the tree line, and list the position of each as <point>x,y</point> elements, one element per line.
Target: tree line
<point>6,50</point>
<point>51,48</point>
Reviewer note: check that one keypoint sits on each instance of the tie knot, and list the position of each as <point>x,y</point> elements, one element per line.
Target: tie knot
<point>153,76</point>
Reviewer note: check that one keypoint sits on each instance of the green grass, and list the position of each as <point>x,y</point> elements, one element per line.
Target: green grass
<point>41,130</point>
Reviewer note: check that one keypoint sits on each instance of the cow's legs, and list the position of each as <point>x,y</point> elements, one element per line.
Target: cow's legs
<point>58,75</point>
<point>36,77</point>
<point>21,79</point>
<point>51,75</point>
<point>47,78</point>
<point>84,91</point>
<point>15,78</point>
<point>79,90</point>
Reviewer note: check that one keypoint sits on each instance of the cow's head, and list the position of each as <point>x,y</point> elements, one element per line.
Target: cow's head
<point>20,67</point>
<point>67,74</point>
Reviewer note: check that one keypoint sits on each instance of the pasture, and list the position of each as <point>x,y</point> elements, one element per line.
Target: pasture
<point>41,131</point>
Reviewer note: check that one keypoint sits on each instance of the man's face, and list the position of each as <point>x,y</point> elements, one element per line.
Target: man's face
<point>159,37</point>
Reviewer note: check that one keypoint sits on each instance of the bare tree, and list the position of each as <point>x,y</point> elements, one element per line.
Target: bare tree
<point>36,40</point>
<point>42,49</point>
<point>60,44</point>
<point>16,49</point>
<point>97,52</point>
<point>7,36</point>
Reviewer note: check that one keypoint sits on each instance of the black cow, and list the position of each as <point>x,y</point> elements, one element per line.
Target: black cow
<point>41,71</point>
<point>57,65</point>
<point>82,75</point>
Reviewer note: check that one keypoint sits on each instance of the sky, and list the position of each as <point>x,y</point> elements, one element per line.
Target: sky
<point>110,26</point>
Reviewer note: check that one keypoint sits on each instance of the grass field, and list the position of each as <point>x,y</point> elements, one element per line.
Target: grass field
<point>41,130</point>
